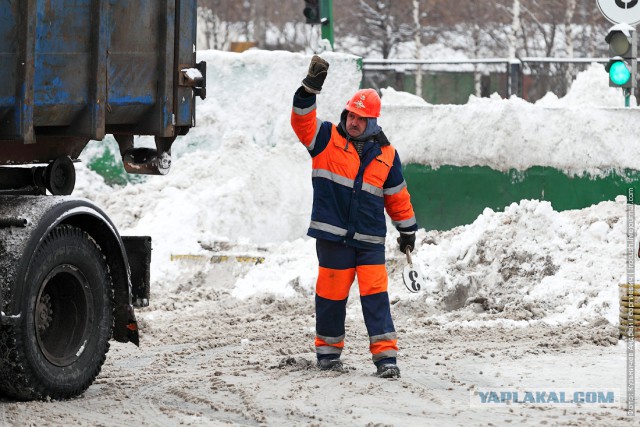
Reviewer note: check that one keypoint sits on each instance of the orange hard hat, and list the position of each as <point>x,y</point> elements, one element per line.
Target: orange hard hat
<point>365,103</point>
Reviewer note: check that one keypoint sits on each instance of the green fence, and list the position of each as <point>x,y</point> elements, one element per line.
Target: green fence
<point>439,87</point>
<point>449,196</point>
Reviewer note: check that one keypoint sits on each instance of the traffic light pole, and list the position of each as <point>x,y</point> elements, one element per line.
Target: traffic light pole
<point>326,10</point>
<point>627,97</point>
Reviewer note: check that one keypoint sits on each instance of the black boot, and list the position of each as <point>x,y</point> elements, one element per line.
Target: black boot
<point>388,370</point>
<point>330,365</point>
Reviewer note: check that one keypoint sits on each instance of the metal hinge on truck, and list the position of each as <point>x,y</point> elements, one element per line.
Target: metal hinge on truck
<point>195,78</point>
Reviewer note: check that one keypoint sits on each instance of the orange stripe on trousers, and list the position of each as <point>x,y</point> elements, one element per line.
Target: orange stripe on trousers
<point>380,346</point>
<point>322,343</point>
<point>372,279</point>
<point>334,284</point>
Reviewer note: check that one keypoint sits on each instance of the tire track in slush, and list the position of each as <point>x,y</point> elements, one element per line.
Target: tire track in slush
<point>173,385</point>
<point>222,401</point>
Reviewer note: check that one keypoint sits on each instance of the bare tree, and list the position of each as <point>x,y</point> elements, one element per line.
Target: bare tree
<point>482,34</point>
<point>211,25</point>
<point>593,28</point>
<point>383,24</point>
<point>220,21</point>
<point>568,39</point>
<point>516,29</point>
<point>419,14</point>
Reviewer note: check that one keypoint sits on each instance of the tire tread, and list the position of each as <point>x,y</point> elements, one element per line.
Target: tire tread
<point>17,378</point>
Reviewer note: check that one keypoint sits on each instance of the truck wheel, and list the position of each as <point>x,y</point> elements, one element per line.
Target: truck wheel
<point>63,335</point>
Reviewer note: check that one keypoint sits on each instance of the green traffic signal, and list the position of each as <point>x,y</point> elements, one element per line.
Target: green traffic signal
<point>619,73</point>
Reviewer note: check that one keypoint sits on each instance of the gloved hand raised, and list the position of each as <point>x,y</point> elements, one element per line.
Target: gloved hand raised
<point>316,75</point>
<point>407,241</point>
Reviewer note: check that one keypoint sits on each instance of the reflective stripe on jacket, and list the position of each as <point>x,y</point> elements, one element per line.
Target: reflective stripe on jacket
<point>350,193</point>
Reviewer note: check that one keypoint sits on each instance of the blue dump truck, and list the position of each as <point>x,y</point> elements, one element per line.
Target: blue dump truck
<point>75,71</point>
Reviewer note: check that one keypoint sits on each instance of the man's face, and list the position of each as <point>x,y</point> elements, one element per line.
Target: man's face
<point>356,125</point>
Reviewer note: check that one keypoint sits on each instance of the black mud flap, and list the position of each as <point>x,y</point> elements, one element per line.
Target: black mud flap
<point>124,315</point>
<point>139,254</point>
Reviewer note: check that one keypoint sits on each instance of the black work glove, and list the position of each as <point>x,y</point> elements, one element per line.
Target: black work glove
<point>407,241</point>
<point>316,75</point>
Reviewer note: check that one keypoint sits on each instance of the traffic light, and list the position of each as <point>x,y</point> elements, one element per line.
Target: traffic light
<point>312,11</point>
<point>320,12</point>
<point>623,53</point>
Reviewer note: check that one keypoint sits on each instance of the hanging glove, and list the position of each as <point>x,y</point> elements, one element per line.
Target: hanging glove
<point>316,75</point>
<point>407,241</point>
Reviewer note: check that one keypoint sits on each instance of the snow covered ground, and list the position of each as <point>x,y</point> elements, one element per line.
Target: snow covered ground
<point>521,299</point>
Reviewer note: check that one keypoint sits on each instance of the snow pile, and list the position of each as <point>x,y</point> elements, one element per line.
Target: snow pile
<point>589,90</point>
<point>88,183</point>
<point>530,263</point>
<point>526,264</point>
<point>405,99</point>
<point>242,182</point>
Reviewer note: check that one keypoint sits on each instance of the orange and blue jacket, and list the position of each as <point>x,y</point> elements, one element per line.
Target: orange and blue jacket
<point>351,192</point>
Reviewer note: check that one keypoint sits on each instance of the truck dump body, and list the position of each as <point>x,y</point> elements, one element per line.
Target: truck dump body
<point>75,70</point>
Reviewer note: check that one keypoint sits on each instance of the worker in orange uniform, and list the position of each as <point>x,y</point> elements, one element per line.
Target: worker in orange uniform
<point>356,175</point>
